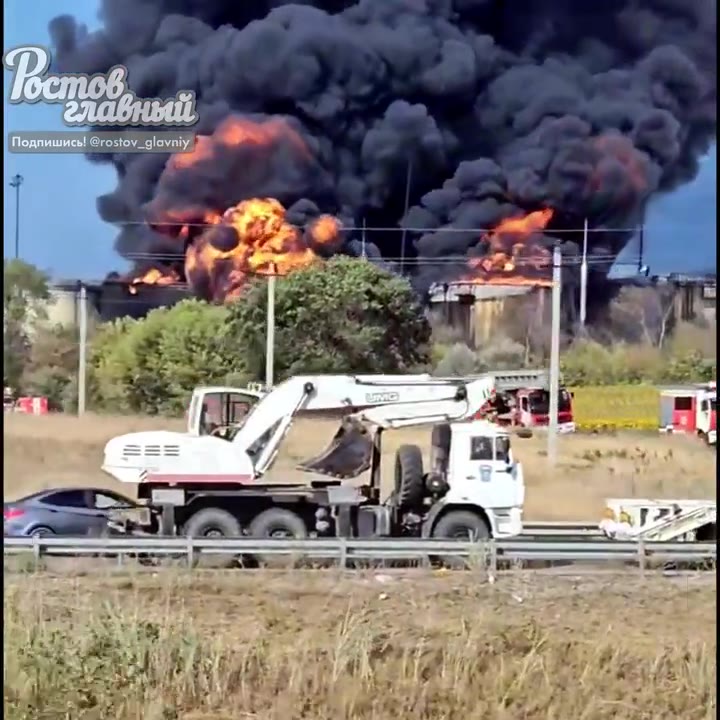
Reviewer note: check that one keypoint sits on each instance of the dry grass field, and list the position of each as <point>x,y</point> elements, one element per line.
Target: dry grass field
<point>315,646</point>
<point>57,450</point>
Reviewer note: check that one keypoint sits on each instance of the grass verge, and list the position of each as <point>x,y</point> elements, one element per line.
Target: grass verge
<point>275,646</point>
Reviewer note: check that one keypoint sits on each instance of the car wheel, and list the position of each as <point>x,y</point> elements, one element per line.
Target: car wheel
<point>40,532</point>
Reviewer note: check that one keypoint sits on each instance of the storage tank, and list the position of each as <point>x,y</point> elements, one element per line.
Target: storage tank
<point>475,310</point>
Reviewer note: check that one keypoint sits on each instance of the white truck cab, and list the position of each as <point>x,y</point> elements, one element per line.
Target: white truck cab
<point>483,473</point>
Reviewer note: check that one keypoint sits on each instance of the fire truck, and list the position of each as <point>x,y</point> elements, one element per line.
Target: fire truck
<point>690,409</point>
<point>523,400</point>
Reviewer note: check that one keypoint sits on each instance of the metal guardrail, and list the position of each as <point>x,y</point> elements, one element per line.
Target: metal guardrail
<point>345,550</point>
<point>558,528</point>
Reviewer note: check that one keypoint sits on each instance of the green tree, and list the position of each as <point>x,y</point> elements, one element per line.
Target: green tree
<point>344,315</point>
<point>152,365</point>
<point>26,293</point>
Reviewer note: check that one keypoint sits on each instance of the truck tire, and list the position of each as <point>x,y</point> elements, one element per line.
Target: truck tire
<point>409,486</point>
<point>460,525</point>
<point>210,523</point>
<point>277,522</point>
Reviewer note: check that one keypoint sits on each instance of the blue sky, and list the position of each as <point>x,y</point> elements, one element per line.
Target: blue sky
<point>62,233</point>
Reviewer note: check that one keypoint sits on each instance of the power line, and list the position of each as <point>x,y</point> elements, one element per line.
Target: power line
<point>174,223</point>
<point>532,261</point>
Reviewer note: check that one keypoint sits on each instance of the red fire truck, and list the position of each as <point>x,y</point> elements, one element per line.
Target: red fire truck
<point>529,406</point>
<point>690,409</point>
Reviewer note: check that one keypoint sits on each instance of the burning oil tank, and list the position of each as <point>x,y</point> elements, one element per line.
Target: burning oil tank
<point>108,300</point>
<point>117,299</point>
<point>478,311</point>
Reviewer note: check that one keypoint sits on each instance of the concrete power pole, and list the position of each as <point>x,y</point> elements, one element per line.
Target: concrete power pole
<point>584,277</point>
<point>270,336</point>
<point>555,356</point>
<point>82,354</point>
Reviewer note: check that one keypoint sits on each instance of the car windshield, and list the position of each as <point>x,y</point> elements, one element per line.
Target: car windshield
<point>540,402</point>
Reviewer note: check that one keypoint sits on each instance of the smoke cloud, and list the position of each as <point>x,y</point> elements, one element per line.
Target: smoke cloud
<point>464,111</point>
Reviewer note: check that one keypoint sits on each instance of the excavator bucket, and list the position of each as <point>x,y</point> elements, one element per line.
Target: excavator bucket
<point>348,455</point>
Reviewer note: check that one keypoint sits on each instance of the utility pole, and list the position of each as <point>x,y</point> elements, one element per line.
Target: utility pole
<point>555,356</point>
<point>408,183</point>
<point>16,182</point>
<point>584,277</point>
<point>82,311</point>
<point>270,336</point>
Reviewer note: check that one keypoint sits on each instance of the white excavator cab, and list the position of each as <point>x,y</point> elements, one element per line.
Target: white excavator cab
<point>219,411</point>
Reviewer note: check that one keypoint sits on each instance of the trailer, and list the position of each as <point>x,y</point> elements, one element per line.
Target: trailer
<point>660,520</point>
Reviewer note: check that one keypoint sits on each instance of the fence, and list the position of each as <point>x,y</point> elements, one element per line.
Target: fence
<point>494,555</point>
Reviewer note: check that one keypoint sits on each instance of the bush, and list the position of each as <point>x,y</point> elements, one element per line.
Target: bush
<point>152,365</point>
<point>458,360</point>
<point>342,316</point>
<point>590,363</point>
<point>52,365</point>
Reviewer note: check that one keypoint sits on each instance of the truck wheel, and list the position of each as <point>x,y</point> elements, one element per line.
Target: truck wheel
<point>214,523</point>
<point>409,486</point>
<point>278,523</point>
<point>460,525</point>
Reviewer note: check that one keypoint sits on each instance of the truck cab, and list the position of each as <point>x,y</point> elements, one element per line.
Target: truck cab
<point>532,409</point>
<point>483,473</point>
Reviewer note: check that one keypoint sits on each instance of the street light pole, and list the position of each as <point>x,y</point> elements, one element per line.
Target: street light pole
<point>555,356</point>
<point>270,335</point>
<point>16,182</point>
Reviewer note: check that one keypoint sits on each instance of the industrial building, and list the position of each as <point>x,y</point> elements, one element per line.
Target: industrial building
<point>473,309</point>
<point>477,310</point>
<point>107,301</point>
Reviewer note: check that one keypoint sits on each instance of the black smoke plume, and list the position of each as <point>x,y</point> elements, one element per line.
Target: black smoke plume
<point>487,107</point>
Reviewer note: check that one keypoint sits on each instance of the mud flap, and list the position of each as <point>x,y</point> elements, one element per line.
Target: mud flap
<point>348,455</point>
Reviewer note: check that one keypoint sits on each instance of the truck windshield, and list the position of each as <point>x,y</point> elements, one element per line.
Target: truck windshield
<point>540,402</point>
<point>502,449</point>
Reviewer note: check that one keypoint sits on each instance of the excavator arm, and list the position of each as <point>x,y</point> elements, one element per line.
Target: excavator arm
<point>369,401</point>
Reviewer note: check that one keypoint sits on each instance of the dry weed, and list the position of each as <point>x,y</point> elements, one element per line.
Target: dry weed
<point>316,646</point>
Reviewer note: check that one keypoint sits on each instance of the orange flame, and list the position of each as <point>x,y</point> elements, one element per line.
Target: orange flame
<point>261,242</point>
<point>250,238</point>
<point>234,131</point>
<point>512,258</point>
<point>154,276</point>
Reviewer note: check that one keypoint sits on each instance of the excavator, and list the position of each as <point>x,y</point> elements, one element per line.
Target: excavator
<point>208,481</point>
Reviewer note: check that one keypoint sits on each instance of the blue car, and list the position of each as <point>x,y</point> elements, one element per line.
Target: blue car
<point>62,511</point>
